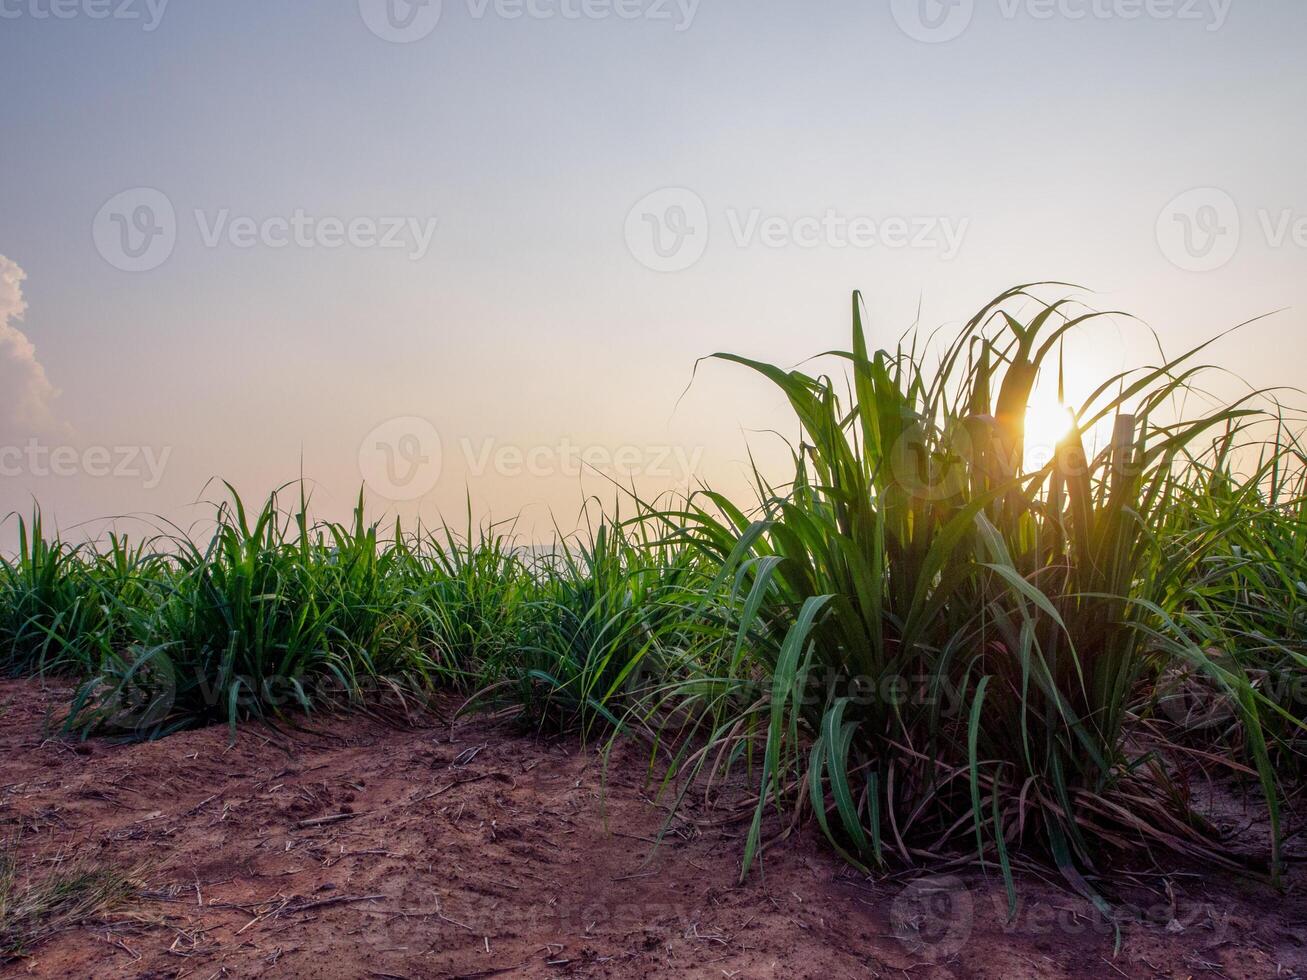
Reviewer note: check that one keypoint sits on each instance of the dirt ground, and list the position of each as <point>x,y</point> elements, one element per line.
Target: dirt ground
<point>359,849</point>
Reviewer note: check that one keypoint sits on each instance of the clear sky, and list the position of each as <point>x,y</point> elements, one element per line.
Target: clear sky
<point>512,228</point>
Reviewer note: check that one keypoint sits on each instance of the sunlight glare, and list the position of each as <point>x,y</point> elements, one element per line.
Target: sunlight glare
<point>1047,421</point>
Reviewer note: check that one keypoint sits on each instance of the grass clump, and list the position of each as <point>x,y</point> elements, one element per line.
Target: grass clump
<point>1244,594</point>
<point>35,905</point>
<point>273,613</point>
<point>608,622</point>
<point>951,645</point>
<point>62,607</point>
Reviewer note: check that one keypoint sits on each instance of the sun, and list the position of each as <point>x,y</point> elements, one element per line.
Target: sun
<point>1047,421</point>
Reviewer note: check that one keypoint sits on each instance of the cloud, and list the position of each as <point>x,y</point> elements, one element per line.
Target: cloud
<point>26,394</point>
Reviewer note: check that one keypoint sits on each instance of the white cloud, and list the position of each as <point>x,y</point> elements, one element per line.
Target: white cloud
<point>26,394</point>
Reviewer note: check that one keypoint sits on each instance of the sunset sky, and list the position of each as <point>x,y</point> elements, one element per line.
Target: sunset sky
<point>451,250</point>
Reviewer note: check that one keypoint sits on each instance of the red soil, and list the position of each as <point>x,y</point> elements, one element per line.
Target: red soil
<point>356,849</point>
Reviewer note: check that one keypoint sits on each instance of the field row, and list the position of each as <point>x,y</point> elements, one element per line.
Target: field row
<point>919,640</point>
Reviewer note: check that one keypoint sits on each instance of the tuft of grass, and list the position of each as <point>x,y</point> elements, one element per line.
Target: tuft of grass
<point>607,621</point>
<point>63,606</point>
<point>1243,593</point>
<point>37,904</point>
<point>274,613</point>
<point>935,644</point>
<point>472,596</point>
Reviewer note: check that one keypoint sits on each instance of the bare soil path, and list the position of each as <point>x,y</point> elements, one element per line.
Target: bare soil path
<point>356,849</point>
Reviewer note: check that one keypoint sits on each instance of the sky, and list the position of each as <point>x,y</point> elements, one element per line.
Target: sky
<point>472,250</point>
